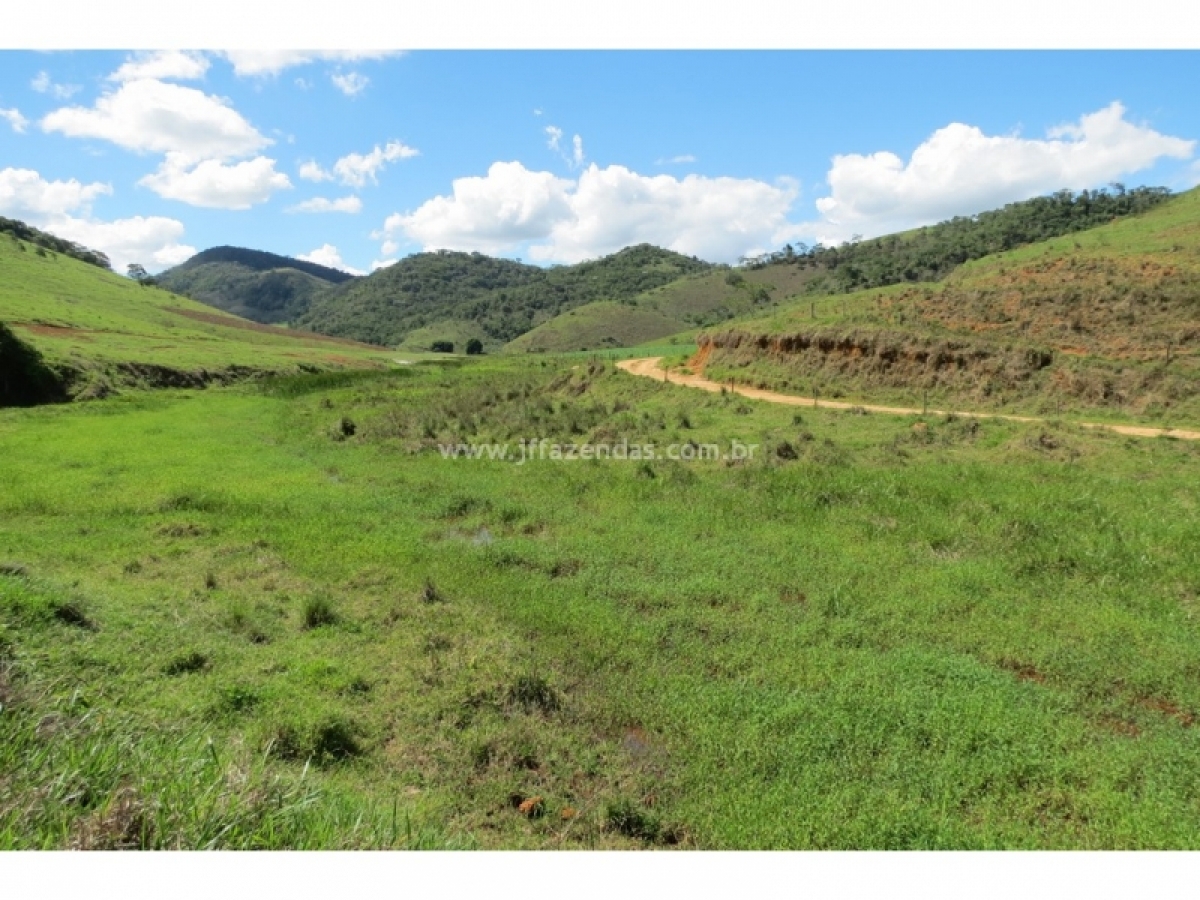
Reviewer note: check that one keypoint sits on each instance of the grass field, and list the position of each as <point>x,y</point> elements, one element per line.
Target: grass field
<point>108,329</point>
<point>275,615</point>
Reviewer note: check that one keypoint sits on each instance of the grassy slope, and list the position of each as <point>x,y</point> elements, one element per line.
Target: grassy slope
<point>951,635</point>
<point>1116,307</point>
<point>87,318</point>
<point>441,292</point>
<point>689,302</point>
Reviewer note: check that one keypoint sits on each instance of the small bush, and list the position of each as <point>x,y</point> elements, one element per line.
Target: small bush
<point>71,612</point>
<point>318,612</point>
<point>187,663</point>
<point>532,692</point>
<point>624,817</point>
<point>430,593</point>
<point>329,741</point>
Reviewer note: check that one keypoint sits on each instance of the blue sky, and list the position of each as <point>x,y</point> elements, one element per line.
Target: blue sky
<point>556,156</point>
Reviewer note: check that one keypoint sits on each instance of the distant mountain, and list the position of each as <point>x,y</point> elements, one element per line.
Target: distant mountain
<point>257,285</point>
<point>500,298</point>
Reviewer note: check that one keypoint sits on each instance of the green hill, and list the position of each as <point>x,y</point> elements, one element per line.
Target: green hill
<point>95,330</point>
<point>256,285</point>
<point>694,301</point>
<point>933,252</point>
<point>502,298</point>
<point>1106,319</point>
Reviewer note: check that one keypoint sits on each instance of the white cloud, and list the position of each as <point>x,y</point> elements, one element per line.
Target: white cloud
<point>310,171</point>
<point>601,212</point>
<point>356,169</point>
<point>177,64</point>
<point>15,119</point>
<point>490,214</point>
<point>959,170</point>
<point>349,204</point>
<point>151,115</point>
<point>24,194</point>
<point>681,160</point>
<point>217,185</point>
<point>64,208</point>
<point>575,158</point>
<point>378,264</point>
<point>272,62</point>
<point>350,83</point>
<point>328,255</point>
<point>43,84</point>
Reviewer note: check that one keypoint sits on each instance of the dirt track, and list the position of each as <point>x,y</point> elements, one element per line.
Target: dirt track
<point>648,368</point>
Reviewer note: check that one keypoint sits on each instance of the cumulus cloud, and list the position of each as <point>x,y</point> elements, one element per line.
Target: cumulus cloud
<point>959,170</point>
<point>349,204</point>
<point>271,62</point>
<point>509,206</point>
<point>602,211</point>
<point>64,208</point>
<point>198,134</point>
<point>148,115</point>
<point>328,255</point>
<point>217,185</point>
<point>350,83</point>
<point>378,264</point>
<point>177,64</point>
<point>43,84</point>
<point>14,118</point>
<point>24,194</point>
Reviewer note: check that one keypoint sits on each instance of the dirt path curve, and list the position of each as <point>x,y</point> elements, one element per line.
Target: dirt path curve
<point>648,368</point>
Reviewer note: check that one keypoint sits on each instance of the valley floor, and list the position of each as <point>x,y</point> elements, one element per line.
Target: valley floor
<point>283,615</point>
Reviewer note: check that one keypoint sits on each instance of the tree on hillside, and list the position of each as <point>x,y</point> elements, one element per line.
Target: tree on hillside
<point>137,272</point>
<point>474,347</point>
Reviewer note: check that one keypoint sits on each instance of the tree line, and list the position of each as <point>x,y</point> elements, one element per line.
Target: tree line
<point>933,252</point>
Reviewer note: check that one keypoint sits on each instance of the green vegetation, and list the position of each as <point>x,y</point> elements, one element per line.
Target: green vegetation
<point>25,379</point>
<point>94,331</point>
<point>931,253</point>
<point>696,300</point>
<point>500,298</point>
<point>259,286</point>
<point>878,633</point>
<point>1102,320</point>
<point>24,237</point>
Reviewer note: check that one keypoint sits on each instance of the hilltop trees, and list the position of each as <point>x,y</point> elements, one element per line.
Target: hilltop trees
<point>931,253</point>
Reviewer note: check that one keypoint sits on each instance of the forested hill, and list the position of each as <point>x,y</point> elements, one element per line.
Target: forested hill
<point>260,261</point>
<point>933,252</point>
<point>501,298</point>
<point>257,285</point>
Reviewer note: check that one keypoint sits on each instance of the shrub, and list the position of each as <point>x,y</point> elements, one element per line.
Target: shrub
<point>187,663</point>
<point>318,612</point>
<point>532,692</point>
<point>442,347</point>
<point>625,818</point>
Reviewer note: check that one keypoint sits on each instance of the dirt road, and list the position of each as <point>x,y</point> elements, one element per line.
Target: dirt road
<point>648,368</point>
